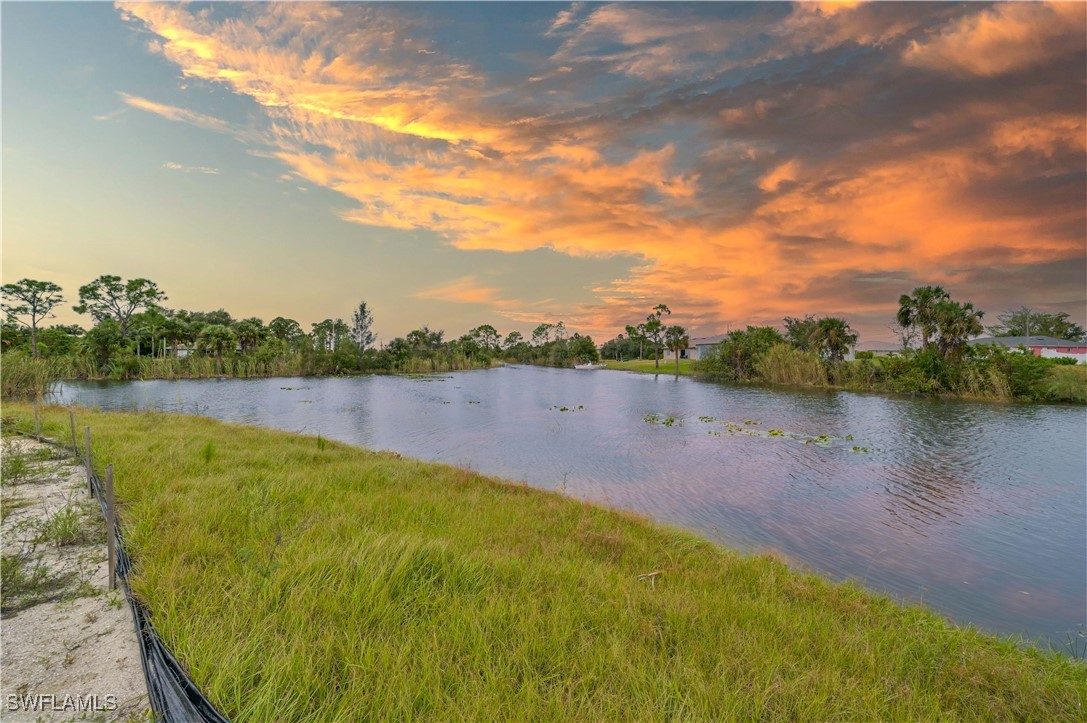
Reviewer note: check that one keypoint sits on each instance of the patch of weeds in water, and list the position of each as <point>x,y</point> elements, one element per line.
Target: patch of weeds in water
<point>670,422</point>
<point>1076,643</point>
<point>651,419</point>
<point>707,420</point>
<point>564,408</point>
<point>751,422</point>
<point>776,433</point>
<point>472,402</point>
<point>294,389</point>
<point>860,450</point>
<point>446,402</point>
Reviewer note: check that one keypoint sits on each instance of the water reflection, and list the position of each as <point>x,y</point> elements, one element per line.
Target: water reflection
<point>980,510</point>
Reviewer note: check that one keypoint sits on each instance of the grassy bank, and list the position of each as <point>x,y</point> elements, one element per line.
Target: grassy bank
<point>667,366</point>
<point>300,579</point>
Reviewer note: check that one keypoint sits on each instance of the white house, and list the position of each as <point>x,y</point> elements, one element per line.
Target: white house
<point>699,345</point>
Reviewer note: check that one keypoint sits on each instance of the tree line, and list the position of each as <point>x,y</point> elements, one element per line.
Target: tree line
<point>135,336</point>
<point>812,351</point>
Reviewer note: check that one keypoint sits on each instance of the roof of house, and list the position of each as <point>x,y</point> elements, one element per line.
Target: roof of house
<point>1014,341</point>
<point>878,346</point>
<point>708,340</point>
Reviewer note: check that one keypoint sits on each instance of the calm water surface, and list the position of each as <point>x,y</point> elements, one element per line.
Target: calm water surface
<point>978,510</point>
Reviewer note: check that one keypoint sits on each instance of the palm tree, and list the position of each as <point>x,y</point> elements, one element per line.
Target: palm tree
<point>919,310</point>
<point>216,337</point>
<point>833,337</point>
<point>676,339</point>
<point>174,331</point>
<point>955,323</point>
<point>250,332</point>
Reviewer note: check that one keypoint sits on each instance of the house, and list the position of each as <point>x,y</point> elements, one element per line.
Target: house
<point>1043,346</point>
<point>700,345</point>
<point>878,348</point>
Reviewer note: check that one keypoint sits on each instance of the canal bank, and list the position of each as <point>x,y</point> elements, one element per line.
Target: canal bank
<point>294,575</point>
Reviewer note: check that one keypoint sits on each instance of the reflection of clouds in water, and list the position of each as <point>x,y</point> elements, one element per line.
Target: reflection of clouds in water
<point>954,503</point>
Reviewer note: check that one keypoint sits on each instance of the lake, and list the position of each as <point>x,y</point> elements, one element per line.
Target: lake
<point>978,510</point>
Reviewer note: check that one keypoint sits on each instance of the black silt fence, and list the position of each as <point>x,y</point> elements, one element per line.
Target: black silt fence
<point>173,695</point>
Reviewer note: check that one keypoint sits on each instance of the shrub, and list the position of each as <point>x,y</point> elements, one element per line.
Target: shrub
<point>784,364</point>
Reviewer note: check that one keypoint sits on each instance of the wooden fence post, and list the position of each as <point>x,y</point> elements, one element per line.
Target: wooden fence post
<point>87,458</point>
<point>75,442</point>
<point>111,529</point>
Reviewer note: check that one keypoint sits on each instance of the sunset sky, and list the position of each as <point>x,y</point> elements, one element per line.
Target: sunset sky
<point>460,164</point>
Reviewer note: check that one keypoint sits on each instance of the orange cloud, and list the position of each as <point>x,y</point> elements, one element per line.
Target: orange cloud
<point>1008,37</point>
<point>465,290</point>
<point>176,114</point>
<point>418,141</point>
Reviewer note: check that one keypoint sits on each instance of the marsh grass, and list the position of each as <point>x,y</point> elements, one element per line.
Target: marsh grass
<point>297,583</point>
<point>24,377</point>
<point>1067,383</point>
<point>784,364</point>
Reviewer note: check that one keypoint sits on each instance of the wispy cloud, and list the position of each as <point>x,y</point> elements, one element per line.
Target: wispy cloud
<point>858,149</point>
<point>190,169</point>
<point>174,113</point>
<point>465,290</point>
<point>111,115</point>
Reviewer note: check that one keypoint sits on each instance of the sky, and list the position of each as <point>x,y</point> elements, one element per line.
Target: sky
<point>455,164</point>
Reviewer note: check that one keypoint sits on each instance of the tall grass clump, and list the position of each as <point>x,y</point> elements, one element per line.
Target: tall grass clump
<point>785,364</point>
<point>24,377</point>
<point>298,581</point>
<point>1067,384</point>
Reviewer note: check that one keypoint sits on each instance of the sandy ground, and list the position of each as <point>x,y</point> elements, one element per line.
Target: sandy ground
<point>67,636</point>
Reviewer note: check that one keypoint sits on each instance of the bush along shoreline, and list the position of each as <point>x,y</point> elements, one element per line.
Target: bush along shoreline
<point>984,373</point>
<point>296,577</point>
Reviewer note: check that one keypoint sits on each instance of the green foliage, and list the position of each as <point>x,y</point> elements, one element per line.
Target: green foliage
<point>71,525</point>
<point>14,465</point>
<point>832,338</point>
<point>1028,322</point>
<point>919,311</point>
<point>362,321</point>
<point>24,377</point>
<point>737,357</point>
<point>1066,384</point>
<point>786,364</point>
<point>25,581</point>
<point>32,299</point>
<point>799,332</point>
<point>109,297</point>
<point>676,340</point>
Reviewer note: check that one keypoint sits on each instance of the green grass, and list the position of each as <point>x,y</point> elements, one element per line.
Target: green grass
<point>667,365</point>
<point>301,582</point>
<point>73,524</point>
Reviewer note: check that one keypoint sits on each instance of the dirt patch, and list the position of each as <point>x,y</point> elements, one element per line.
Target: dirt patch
<point>68,646</point>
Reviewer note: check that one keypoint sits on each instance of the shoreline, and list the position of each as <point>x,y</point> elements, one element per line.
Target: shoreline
<point>386,534</point>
